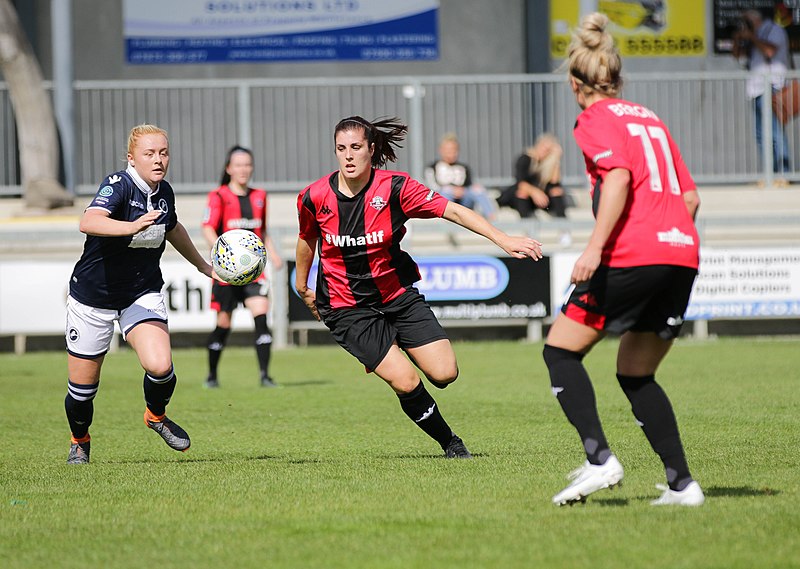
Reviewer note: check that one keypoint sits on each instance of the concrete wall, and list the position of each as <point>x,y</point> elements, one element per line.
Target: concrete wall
<point>476,37</point>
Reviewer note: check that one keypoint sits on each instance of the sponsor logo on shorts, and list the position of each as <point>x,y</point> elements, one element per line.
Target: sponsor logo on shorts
<point>73,335</point>
<point>675,238</point>
<point>674,321</point>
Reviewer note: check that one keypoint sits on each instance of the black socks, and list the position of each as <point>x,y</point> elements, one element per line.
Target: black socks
<point>263,343</point>
<point>653,411</point>
<point>216,343</point>
<point>574,391</point>
<point>158,391</point>
<point>422,409</point>
<point>79,405</point>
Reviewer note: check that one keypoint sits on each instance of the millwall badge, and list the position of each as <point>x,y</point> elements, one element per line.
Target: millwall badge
<point>378,203</point>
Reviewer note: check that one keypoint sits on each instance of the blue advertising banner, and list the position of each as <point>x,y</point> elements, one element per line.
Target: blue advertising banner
<point>247,31</point>
<point>468,287</point>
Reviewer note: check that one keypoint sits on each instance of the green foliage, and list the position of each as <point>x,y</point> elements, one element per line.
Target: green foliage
<point>326,471</point>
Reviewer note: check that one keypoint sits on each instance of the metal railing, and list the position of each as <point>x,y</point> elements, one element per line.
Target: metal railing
<point>289,124</point>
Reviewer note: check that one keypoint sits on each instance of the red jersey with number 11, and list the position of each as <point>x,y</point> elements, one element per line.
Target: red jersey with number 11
<point>655,227</point>
<point>360,260</point>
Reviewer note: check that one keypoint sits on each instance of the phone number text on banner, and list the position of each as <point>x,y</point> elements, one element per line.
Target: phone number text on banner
<point>229,31</point>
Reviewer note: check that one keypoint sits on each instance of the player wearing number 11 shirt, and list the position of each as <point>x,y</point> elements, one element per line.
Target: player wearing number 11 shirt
<point>635,276</point>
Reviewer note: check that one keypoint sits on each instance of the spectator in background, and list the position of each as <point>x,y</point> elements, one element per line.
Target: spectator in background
<point>453,179</point>
<point>763,45</point>
<point>538,180</point>
<point>235,205</point>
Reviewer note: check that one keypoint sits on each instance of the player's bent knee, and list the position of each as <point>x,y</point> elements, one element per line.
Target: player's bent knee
<point>554,356</point>
<point>443,376</point>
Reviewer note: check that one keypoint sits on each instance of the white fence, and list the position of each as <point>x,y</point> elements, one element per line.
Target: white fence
<point>289,123</point>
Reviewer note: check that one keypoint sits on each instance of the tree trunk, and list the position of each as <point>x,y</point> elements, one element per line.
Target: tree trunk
<point>33,111</point>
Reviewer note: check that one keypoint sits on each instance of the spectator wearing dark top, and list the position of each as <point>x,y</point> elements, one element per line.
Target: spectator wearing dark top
<point>538,180</point>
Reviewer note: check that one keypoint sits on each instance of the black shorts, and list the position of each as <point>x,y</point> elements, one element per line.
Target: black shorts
<point>651,298</point>
<point>225,298</point>
<point>368,333</point>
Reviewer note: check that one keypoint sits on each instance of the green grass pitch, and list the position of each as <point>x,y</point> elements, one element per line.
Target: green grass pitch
<point>327,471</point>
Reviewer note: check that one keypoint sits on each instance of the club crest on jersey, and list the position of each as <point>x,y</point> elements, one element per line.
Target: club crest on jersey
<point>378,203</point>
<point>162,205</point>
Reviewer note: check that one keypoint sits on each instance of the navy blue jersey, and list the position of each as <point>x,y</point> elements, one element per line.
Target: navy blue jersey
<point>114,271</point>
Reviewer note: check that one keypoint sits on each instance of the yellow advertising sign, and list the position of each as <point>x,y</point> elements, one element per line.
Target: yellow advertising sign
<point>642,28</point>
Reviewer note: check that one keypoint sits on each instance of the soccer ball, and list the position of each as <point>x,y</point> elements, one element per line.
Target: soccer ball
<point>239,257</point>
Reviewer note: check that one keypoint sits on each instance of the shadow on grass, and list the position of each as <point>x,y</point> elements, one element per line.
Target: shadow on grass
<point>611,502</point>
<point>212,459</point>
<point>306,383</point>
<point>428,456</point>
<point>739,492</point>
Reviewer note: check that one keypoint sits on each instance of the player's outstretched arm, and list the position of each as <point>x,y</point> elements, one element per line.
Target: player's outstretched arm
<point>179,238</point>
<point>519,247</point>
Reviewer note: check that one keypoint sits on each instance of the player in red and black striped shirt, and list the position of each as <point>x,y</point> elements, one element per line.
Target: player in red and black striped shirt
<point>235,205</point>
<point>636,274</point>
<point>355,219</point>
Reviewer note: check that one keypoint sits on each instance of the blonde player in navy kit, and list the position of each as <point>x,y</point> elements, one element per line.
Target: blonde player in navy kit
<point>118,279</point>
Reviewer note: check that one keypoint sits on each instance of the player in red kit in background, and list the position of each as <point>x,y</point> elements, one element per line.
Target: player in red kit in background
<point>635,276</point>
<point>235,205</point>
<point>355,219</point>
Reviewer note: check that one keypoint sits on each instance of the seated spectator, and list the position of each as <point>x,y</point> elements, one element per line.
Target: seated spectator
<point>538,180</point>
<point>453,179</point>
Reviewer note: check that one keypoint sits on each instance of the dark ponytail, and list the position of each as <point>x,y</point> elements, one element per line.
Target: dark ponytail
<point>385,134</point>
<point>226,178</point>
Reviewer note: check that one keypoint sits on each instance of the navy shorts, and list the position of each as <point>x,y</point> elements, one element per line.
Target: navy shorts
<point>368,333</point>
<point>651,298</point>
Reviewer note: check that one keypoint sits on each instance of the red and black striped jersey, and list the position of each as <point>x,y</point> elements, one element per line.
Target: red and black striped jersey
<point>360,259</point>
<point>226,211</point>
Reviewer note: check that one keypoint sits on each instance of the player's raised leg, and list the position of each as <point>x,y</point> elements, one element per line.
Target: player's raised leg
<point>151,342</point>
<point>396,370</point>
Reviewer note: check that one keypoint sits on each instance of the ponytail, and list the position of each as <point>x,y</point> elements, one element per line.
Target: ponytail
<point>385,134</point>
